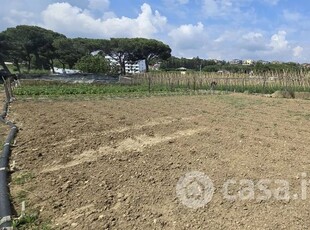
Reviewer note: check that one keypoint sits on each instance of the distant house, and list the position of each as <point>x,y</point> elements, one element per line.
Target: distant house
<point>182,70</point>
<point>248,62</point>
<point>235,62</point>
<point>306,65</point>
<point>276,62</point>
<point>155,66</point>
<point>263,62</point>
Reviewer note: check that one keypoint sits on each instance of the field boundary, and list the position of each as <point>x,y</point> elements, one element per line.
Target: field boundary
<point>5,202</point>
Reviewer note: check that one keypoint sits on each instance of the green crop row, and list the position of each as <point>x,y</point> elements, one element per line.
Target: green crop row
<point>72,89</point>
<point>59,89</point>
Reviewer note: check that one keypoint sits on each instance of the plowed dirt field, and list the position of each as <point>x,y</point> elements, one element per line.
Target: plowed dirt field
<point>119,163</point>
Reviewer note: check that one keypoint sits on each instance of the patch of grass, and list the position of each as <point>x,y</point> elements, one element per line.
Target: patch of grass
<point>30,221</point>
<point>27,219</point>
<point>21,196</point>
<point>307,116</point>
<point>31,218</point>
<point>22,178</point>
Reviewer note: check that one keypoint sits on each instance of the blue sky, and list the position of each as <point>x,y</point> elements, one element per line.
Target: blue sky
<point>221,29</point>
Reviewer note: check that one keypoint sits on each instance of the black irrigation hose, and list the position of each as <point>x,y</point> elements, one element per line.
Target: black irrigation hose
<point>5,203</point>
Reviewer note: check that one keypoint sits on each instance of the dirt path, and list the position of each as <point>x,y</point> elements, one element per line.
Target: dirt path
<point>116,163</point>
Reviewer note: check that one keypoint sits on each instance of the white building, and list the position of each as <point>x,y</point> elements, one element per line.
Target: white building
<point>111,60</point>
<point>235,62</point>
<point>137,67</point>
<point>132,68</point>
<point>248,62</point>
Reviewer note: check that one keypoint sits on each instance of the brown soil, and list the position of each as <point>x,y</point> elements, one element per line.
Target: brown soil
<point>4,129</point>
<point>115,163</point>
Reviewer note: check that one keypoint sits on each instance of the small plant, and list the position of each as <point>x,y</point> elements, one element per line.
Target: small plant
<point>21,196</point>
<point>27,219</point>
<point>30,221</point>
<point>21,179</point>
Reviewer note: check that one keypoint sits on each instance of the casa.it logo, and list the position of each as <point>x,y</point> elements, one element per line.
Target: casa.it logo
<point>195,189</point>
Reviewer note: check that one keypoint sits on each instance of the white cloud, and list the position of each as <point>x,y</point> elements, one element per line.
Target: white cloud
<point>213,8</point>
<point>297,51</point>
<point>108,15</point>
<point>74,21</point>
<point>21,14</point>
<point>238,43</point>
<point>232,9</point>
<point>242,44</point>
<point>252,36</point>
<point>226,36</point>
<point>194,40</point>
<point>278,41</point>
<point>101,5</point>
<point>281,48</point>
<point>188,37</point>
<point>95,4</point>
<point>19,17</point>
<point>253,42</point>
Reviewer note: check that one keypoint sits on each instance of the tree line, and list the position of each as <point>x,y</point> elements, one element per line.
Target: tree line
<point>39,48</point>
<point>198,64</point>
